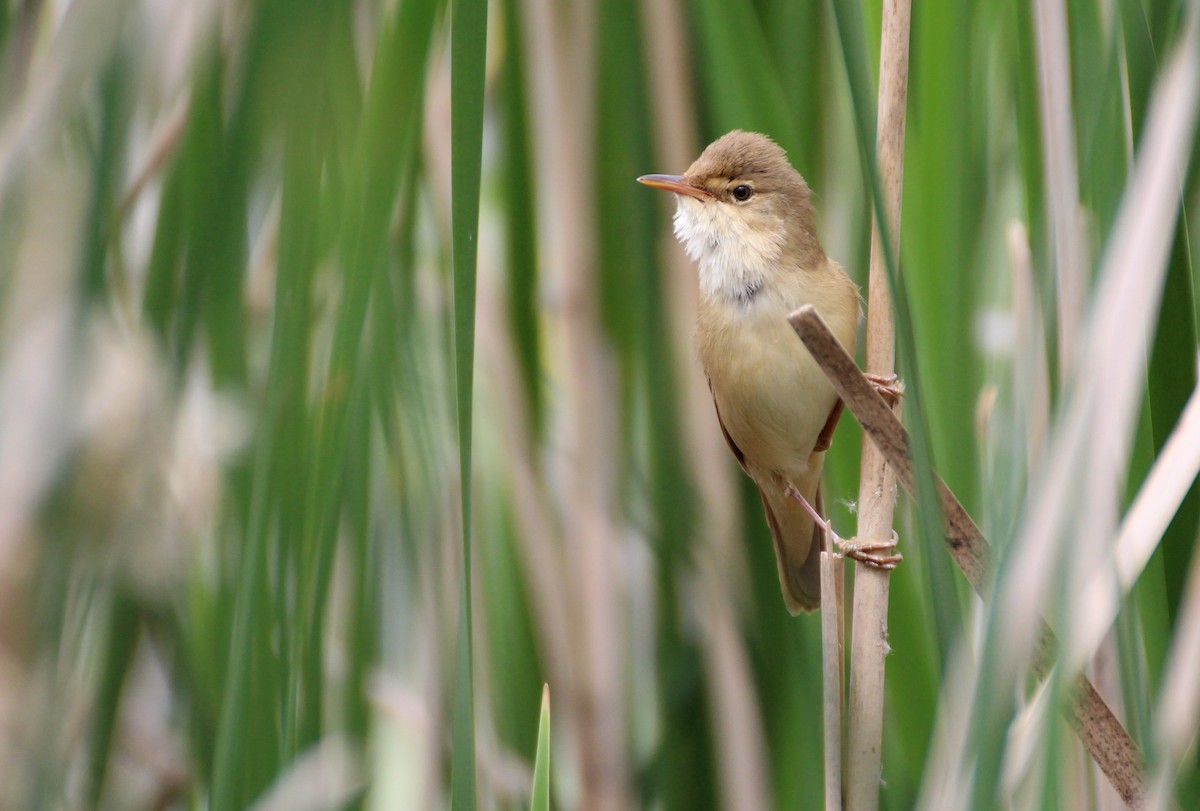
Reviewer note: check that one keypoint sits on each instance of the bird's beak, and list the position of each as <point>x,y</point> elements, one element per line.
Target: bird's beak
<point>674,183</point>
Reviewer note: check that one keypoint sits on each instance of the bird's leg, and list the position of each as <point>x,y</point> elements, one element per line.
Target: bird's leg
<point>825,438</point>
<point>877,554</point>
<point>889,387</point>
<point>794,494</point>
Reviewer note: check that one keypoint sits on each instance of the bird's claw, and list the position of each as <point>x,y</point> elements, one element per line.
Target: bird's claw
<point>876,554</point>
<point>889,387</point>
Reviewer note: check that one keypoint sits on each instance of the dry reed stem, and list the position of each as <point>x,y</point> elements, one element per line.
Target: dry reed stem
<point>877,484</point>
<point>832,640</point>
<point>669,69</point>
<point>560,43</point>
<point>741,748</point>
<point>739,742</point>
<point>1105,738</point>
<point>539,537</point>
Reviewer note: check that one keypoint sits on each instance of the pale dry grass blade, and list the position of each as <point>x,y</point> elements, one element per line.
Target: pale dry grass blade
<point>1063,212</point>
<point>1025,760</point>
<point>1142,529</point>
<point>1162,492</point>
<point>36,370</point>
<point>325,777</point>
<point>404,748</point>
<point>1062,547</point>
<point>948,776</point>
<point>1089,450</point>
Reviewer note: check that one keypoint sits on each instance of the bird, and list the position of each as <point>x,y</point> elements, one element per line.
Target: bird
<point>745,216</point>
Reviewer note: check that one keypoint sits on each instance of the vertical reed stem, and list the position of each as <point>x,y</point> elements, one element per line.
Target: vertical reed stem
<point>877,487</point>
<point>832,656</point>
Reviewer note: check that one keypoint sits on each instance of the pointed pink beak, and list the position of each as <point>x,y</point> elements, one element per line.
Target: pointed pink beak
<point>675,184</point>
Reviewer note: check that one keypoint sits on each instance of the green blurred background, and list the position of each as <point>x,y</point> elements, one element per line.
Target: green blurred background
<point>230,524</point>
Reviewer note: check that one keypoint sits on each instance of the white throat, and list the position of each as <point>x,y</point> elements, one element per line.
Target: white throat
<point>734,258</point>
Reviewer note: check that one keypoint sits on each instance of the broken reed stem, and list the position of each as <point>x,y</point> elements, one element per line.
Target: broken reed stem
<point>832,640</point>
<point>877,484</point>
<point>1102,734</point>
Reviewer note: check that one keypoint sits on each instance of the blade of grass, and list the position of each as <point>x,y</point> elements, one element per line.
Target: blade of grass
<point>520,212</point>
<point>1178,710</point>
<point>744,87</point>
<point>468,48</point>
<point>118,654</point>
<point>540,795</point>
<point>1173,374</point>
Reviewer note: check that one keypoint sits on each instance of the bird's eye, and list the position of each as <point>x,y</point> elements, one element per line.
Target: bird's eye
<point>742,193</point>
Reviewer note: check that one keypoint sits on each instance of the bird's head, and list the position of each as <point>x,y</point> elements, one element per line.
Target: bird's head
<point>743,212</point>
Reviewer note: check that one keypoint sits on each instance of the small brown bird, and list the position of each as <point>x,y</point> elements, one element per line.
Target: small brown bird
<point>746,216</point>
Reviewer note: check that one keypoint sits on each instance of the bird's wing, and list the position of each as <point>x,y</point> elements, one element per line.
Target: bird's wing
<point>797,541</point>
<point>737,452</point>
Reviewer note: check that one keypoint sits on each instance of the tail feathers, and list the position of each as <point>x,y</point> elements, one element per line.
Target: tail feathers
<point>798,544</point>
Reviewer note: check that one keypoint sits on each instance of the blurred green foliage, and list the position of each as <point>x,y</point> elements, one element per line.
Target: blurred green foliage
<point>267,522</point>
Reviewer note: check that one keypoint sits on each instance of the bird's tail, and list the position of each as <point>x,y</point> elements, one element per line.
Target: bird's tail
<point>798,541</point>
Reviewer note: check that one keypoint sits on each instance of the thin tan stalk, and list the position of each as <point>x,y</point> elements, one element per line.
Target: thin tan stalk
<point>559,41</point>
<point>1105,739</point>
<point>669,69</point>
<point>741,748</point>
<point>739,744</point>
<point>832,640</point>
<point>877,485</point>
<point>539,539</point>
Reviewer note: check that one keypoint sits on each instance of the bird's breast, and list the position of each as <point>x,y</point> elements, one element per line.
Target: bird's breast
<point>772,396</point>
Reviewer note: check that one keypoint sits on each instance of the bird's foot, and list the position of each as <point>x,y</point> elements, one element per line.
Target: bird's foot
<point>876,554</point>
<point>827,525</point>
<point>889,387</point>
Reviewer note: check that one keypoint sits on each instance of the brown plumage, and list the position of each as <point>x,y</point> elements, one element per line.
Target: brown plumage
<point>746,216</point>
